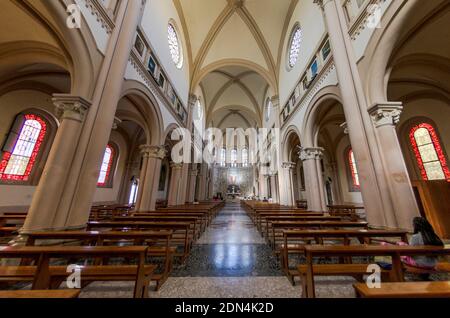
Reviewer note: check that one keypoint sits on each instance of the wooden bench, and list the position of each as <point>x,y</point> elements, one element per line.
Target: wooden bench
<point>158,241</point>
<point>404,290</point>
<point>291,245</point>
<point>279,226</point>
<point>8,220</point>
<point>41,294</point>
<point>394,251</point>
<point>42,273</point>
<point>184,239</point>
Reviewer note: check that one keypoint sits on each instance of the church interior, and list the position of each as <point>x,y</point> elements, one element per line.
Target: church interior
<point>314,140</point>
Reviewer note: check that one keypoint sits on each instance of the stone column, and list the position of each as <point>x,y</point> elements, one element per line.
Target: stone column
<point>336,182</point>
<point>175,186</point>
<point>374,189</point>
<point>193,173</point>
<point>288,181</point>
<point>149,178</point>
<point>313,177</point>
<point>81,188</point>
<point>275,186</point>
<point>45,204</point>
<point>203,182</point>
<point>385,117</point>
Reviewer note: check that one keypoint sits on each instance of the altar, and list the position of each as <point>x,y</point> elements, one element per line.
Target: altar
<point>233,192</point>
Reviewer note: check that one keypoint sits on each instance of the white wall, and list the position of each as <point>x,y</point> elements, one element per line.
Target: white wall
<point>309,15</point>
<point>157,15</point>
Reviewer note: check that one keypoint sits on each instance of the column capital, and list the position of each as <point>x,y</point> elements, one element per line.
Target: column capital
<point>344,126</point>
<point>387,113</point>
<point>156,152</point>
<point>288,165</point>
<point>311,153</point>
<point>176,166</point>
<point>116,123</point>
<point>71,106</point>
<point>275,101</point>
<point>192,100</point>
<point>321,3</point>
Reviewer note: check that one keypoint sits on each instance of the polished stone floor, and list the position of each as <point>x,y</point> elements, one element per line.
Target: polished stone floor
<point>231,259</point>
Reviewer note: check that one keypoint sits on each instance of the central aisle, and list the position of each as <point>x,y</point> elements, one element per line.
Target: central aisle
<point>231,259</point>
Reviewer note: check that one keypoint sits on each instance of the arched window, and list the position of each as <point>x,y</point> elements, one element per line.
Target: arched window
<point>429,154</point>
<point>174,46</point>
<point>294,45</point>
<point>268,109</point>
<point>134,191</point>
<point>18,161</point>
<point>105,170</point>
<point>223,157</point>
<point>245,157</point>
<point>234,158</point>
<point>353,170</point>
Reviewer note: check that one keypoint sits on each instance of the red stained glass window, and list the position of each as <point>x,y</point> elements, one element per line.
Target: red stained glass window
<point>18,164</point>
<point>429,154</point>
<point>105,170</point>
<point>353,169</point>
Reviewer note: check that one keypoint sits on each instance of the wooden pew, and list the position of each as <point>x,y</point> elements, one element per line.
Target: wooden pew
<point>308,271</point>
<point>260,216</point>
<point>291,244</point>
<point>203,216</point>
<point>279,226</point>
<point>347,210</point>
<point>184,229</point>
<point>198,225</point>
<point>7,220</point>
<point>41,294</point>
<point>42,273</point>
<point>404,290</point>
<point>95,238</point>
<point>293,218</point>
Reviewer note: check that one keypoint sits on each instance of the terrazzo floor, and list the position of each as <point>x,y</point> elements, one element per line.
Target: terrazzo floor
<point>230,260</point>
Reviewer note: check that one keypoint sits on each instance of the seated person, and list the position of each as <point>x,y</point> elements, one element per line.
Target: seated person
<point>423,235</point>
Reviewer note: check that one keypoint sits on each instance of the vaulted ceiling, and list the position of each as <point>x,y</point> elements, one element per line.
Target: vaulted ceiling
<point>234,50</point>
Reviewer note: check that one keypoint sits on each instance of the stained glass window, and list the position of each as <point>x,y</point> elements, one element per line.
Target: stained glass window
<point>294,46</point>
<point>105,169</point>
<point>174,46</point>
<point>353,169</point>
<point>429,154</point>
<point>18,164</point>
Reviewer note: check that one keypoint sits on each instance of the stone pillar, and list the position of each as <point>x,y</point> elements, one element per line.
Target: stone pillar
<point>175,186</point>
<point>374,189</point>
<point>45,204</point>
<point>210,184</point>
<point>287,191</point>
<point>82,185</point>
<point>274,187</point>
<point>336,182</point>
<point>149,177</point>
<point>193,173</point>
<point>385,117</point>
<point>203,182</point>
<point>313,177</point>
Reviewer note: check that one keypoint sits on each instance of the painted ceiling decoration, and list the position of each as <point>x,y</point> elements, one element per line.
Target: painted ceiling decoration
<point>235,72</point>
